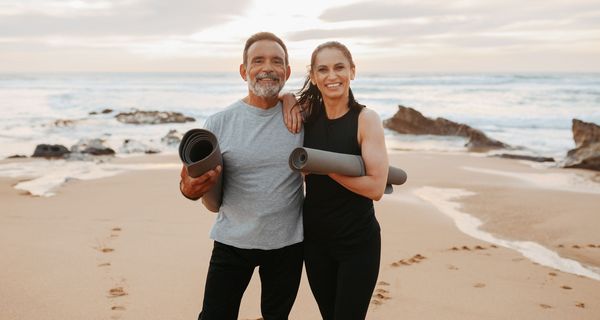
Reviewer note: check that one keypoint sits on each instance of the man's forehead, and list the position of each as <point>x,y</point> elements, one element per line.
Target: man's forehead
<point>264,46</point>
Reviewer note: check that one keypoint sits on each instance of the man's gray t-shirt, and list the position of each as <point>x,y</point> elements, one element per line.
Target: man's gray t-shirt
<point>262,196</point>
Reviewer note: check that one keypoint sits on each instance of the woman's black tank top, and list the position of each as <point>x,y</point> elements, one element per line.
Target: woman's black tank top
<point>332,212</point>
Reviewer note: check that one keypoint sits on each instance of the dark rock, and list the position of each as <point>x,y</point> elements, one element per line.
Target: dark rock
<point>152,117</point>
<point>64,123</point>
<point>105,111</point>
<point>478,141</point>
<point>94,147</point>
<point>16,156</point>
<point>133,146</point>
<point>585,157</point>
<point>410,121</point>
<point>585,133</point>
<point>172,138</point>
<point>586,154</point>
<point>50,151</point>
<point>524,157</point>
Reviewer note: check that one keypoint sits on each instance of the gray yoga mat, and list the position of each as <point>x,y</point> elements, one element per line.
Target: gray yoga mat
<point>323,162</point>
<point>199,152</point>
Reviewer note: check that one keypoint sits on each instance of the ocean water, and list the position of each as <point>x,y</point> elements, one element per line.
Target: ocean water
<point>533,111</point>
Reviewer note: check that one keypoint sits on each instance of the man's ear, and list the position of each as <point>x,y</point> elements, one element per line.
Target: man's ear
<point>288,70</point>
<point>243,71</point>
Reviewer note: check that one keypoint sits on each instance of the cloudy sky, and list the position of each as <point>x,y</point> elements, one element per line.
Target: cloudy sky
<point>396,36</point>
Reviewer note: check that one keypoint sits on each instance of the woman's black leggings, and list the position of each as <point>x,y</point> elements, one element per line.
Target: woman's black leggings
<point>343,278</point>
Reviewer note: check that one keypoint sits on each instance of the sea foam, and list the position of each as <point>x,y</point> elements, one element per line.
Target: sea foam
<point>445,200</point>
<point>44,177</point>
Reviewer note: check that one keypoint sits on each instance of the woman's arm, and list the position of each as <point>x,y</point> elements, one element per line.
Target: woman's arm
<point>292,113</point>
<point>374,153</point>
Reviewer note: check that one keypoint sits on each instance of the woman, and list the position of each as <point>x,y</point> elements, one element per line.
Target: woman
<point>341,234</point>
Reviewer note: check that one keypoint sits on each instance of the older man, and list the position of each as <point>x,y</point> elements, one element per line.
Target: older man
<point>260,219</point>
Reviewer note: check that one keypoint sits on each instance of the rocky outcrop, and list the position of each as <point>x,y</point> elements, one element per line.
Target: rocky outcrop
<point>152,117</point>
<point>134,146</point>
<point>50,151</point>
<point>586,154</point>
<point>94,147</point>
<point>410,121</point>
<point>172,138</point>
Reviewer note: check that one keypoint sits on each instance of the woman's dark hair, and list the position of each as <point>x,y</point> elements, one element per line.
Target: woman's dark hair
<point>310,98</point>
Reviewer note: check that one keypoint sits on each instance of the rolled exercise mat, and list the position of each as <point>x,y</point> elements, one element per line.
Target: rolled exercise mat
<point>323,162</point>
<point>199,152</point>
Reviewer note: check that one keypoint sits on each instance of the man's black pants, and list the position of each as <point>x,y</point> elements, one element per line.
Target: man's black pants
<point>230,271</point>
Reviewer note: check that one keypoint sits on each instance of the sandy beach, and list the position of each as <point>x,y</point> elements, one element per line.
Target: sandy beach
<point>131,247</point>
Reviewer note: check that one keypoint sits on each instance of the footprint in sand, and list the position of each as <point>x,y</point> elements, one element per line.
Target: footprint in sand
<point>380,294</point>
<point>553,274</point>
<point>580,305</point>
<point>566,288</point>
<point>417,258</point>
<point>115,232</point>
<point>116,292</point>
<point>479,285</point>
<point>452,267</point>
<point>581,246</point>
<point>467,248</point>
<point>545,306</point>
<point>104,248</point>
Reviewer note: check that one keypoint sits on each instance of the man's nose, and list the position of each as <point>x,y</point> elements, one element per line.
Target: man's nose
<point>268,66</point>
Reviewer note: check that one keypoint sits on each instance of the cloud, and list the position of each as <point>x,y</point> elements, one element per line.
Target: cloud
<point>156,34</point>
<point>380,10</point>
<point>506,10</point>
<point>116,18</point>
<point>384,25</point>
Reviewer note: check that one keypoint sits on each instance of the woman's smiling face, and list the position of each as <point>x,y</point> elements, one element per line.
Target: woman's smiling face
<point>332,73</point>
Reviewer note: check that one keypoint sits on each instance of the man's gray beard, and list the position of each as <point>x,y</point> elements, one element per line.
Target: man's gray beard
<point>265,90</point>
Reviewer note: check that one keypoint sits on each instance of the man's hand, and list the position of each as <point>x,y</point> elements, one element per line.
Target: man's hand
<point>292,115</point>
<point>195,188</point>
